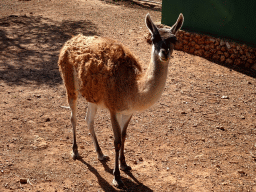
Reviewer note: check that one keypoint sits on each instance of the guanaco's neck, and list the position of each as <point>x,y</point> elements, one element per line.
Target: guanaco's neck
<point>151,85</point>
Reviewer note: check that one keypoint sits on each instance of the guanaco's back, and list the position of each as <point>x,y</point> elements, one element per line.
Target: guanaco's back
<point>104,71</point>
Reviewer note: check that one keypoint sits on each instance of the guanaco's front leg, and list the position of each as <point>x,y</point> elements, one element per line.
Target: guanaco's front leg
<point>117,142</point>
<point>124,124</point>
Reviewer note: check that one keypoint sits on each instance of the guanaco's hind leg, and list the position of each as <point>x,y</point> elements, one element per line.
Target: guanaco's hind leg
<point>72,103</point>
<point>92,110</point>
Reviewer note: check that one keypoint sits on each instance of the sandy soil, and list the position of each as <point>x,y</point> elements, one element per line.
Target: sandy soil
<point>200,136</point>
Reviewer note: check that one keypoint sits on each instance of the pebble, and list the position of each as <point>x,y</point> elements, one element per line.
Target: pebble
<point>242,173</point>
<point>23,181</point>
<point>37,96</point>
<point>221,128</point>
<point>224,97</point>
<point>222,43</point>
<point>228,45</point>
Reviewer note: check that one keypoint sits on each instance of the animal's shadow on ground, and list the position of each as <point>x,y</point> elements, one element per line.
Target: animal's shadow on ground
<point>29,47</point>
<point>134,185</point>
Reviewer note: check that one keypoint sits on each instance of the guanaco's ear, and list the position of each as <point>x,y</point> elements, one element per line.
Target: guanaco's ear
<point>152,29</point>
<point>176,27</point>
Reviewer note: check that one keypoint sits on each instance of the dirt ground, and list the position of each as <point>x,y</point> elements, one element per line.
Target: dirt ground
<point>200,136</point>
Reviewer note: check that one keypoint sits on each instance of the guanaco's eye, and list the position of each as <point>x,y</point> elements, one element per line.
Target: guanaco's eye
<point>156,38</point>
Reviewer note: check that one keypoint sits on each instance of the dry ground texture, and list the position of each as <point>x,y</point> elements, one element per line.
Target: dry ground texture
<point>200,136</point>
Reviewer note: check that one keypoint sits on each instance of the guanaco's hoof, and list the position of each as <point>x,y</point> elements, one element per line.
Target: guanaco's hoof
<point>125,168</point>
<point>75,156</point>
<point>103,158</point>
<point>119,184</point>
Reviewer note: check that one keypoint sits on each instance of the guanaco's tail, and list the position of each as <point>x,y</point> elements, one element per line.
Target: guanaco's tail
<point>68,73</point>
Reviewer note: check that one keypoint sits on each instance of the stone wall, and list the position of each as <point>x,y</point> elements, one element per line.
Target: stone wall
<point>215,49</point>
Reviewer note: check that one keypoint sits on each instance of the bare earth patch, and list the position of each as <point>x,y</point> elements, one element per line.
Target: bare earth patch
<point>200,136</point>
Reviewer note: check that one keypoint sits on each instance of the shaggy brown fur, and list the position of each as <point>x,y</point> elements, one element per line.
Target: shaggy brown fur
<point>107,72</point>
<point>108,75</point>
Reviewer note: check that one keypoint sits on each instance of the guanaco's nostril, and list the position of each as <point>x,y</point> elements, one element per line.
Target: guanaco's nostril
<point>163,51</point>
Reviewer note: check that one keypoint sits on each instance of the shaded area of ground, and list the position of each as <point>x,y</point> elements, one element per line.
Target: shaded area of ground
<point>30,45</point>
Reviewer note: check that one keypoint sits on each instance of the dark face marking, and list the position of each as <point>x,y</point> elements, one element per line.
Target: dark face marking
<point>172,39</point>
<point>164,46</point>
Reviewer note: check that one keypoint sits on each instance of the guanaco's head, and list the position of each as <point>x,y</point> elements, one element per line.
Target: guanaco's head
<point>164,39</point>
